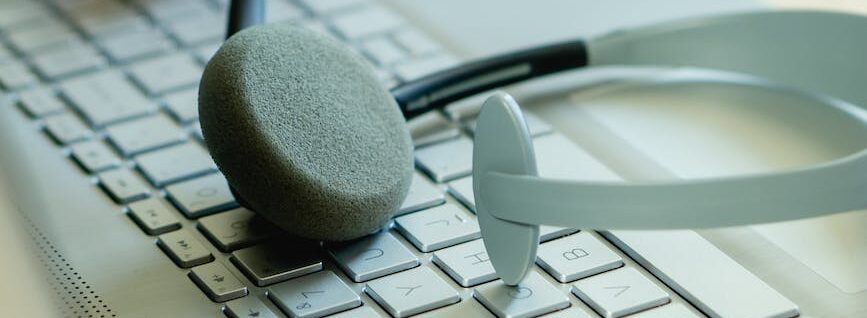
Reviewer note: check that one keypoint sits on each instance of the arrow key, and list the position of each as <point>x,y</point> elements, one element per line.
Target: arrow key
<point>217,282</point>
<point>248,307</point>
<point>619,292</point>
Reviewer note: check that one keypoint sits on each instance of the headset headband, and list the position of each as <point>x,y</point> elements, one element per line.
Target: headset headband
<point>819,52</point>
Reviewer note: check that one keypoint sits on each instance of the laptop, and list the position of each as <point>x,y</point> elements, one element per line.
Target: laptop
<point>111,206</point>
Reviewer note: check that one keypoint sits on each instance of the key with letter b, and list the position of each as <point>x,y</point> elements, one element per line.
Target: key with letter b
<point>576,256</point>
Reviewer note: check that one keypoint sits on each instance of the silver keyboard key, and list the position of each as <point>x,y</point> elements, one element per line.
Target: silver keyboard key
<point>329,6</point>
<point>576,256</point>
<point>218,282</point>
<point>532,297</point>
<point>314,295</point>
<point>365,21</point>
<point>372,257</point>
<point>422,195</point>
<point>281,11</point>
<point>123,186</point>
<point>248,307</point>
<point>184,105</point>
<point>467,308</point>
<point>154,216</point>
<point>548,232</point>
<point>39,37</point>
<point>235,229</point>
<point>40,102</point>
<point>184,249</point>
<point>680,260</point>
<point>619,293</point>
<point>101,19</point>
<point>274,262</point>
<point>448,160</point>
<point>145,134</point>
<point>94,156</point>
<point>417,43</point>
<point>360,312</point>
<point>468,264</point>
<point>462,189</point>
<point>671,310</point>
<point>66,128</point>
<point>172,10</point>
<point>417,68</point>
<point>165,73</point>
<point>202,27</point>
<point>14,75</point>
<point>411,292</point>
<point>68,59</point>
<point>572,312</point>
<point>202,196</point>
<point>175,163</point>
<point>438,227</point>
<point>431,128</point>
<point>136,43</point>
<point>21,13</point>
<point>535,125</point>
<point>205,52</point>
<point>383,51</point>
<point>106,97</point>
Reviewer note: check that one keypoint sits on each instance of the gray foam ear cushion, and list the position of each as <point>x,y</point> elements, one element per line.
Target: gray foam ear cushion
<point>305,133</point>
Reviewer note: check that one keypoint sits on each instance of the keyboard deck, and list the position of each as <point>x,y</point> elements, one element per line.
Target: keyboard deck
<point>114,85</point>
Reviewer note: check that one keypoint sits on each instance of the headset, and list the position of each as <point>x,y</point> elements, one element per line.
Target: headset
<point>819,56</point>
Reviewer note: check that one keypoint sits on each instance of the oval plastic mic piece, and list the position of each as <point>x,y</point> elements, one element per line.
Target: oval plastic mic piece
<point>503,144</point>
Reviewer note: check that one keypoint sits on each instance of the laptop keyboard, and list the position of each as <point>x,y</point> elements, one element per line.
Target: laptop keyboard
<point>114,83</point>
